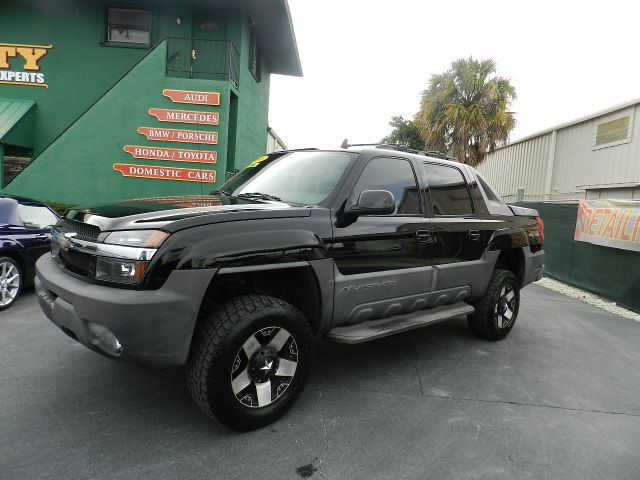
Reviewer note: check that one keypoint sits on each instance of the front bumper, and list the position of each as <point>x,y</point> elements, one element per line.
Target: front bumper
<point>153,326</point>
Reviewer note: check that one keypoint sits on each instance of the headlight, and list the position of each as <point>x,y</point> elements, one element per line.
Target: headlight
<point>124,256</point>
<point>120,270</point>
<point>137,238</point>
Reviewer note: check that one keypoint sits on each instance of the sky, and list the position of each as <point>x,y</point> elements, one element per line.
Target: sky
<point>366,61</point>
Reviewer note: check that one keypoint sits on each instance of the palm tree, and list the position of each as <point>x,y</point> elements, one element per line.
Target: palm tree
<point>465,110</point>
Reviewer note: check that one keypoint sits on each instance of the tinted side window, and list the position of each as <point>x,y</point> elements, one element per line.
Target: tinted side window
<point>37,218</point>
<point>396,176</point>
<point>478,199</point>
<point>449,193</point>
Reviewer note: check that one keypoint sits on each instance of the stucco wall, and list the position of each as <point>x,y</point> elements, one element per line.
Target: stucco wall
<point>75,165</point>
<point>78,166</point>
<point>253,109</point>
<point>79,68</point>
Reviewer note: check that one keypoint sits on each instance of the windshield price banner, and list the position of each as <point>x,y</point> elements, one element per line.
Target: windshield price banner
<point>610,223</point>
<point>166,173</point>
<point>172,154</point>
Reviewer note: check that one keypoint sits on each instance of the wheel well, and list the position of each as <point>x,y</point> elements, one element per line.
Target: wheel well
<point>512,260</point>
<point>15,256</point>
<point>297,286</point>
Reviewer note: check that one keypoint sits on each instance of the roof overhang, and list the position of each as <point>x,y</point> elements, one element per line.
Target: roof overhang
<point>274,29</point>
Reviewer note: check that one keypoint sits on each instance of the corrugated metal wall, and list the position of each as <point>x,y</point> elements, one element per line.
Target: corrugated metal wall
<point>522,164</point>
<point>577,164</point>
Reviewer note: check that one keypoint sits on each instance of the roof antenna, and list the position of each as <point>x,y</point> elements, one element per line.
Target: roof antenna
<point>345,143</point>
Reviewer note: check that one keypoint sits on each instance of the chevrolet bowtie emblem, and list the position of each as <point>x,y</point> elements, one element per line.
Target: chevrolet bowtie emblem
<point>267,365</point>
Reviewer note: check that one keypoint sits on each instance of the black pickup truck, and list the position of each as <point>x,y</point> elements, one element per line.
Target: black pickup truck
<point>349,245</point>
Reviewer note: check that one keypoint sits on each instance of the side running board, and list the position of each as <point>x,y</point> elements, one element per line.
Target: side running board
<point>372,329</point>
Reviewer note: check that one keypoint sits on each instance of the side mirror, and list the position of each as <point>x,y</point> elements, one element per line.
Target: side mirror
<point>372,202</point>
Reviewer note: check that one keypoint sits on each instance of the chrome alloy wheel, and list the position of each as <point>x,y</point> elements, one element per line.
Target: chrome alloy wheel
<point>264,367</point>
<point>505,306</point>
<point>9,283</point>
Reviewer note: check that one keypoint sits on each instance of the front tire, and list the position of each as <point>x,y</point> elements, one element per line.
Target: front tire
<point>497,310</point>
<point>250,360</point>
<point>10,282</point>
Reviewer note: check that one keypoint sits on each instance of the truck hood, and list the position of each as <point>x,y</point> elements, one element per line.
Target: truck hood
<point>175,213</point>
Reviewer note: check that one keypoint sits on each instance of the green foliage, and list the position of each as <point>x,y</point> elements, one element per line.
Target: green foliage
<point>465,110</point>
<point>59,207</point>
<point>404,132</point>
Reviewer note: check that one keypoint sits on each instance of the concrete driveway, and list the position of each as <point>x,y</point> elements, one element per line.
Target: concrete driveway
<point>558,399</point>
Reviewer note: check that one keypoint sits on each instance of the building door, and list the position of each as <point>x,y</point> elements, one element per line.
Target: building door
<point>209,52</point>
<point>384,261</point>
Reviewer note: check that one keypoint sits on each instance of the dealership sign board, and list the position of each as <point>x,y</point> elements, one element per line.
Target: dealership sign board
<point>176,135</point>
<point>185,116</point>
<point>189,155</point>
<point>610,223</point>
<point>20,64</point>
<point>189,96</point>
<point>172,154</point>
<point>166,173</point>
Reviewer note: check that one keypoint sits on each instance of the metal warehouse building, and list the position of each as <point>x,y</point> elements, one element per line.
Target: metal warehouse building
<point>597,156</point>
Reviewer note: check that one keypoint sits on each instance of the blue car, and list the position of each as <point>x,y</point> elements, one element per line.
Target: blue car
<point>25,234</point>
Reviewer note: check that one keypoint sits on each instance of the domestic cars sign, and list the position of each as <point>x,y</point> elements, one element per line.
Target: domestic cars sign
<point>610,223</point>
<point>166,173</point>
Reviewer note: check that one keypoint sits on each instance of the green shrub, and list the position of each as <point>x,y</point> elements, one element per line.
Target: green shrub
<point>59,207</point>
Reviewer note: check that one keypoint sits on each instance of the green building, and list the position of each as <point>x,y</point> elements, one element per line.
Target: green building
<point>106,100</point>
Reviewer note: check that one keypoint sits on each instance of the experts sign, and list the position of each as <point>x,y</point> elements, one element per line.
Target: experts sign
<point>20,64</point>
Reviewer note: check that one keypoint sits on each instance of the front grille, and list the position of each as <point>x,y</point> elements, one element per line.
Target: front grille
<point>83,231</point>
<point>78,262</point>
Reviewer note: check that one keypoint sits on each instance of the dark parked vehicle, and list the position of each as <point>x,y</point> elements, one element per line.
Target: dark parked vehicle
<point>350,245</point>
<point>25,235</point>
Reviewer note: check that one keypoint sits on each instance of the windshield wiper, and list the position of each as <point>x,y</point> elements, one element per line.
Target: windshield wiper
<point>220,192</point>
<point>259,196</point>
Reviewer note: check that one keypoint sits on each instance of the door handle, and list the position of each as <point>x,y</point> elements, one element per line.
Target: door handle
<point>474,235</point>
<point>424,236</point>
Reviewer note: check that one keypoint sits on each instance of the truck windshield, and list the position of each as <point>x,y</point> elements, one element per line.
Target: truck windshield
<point>307,177</point>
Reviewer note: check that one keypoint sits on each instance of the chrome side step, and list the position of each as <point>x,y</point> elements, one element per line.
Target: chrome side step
<point>372,329</point>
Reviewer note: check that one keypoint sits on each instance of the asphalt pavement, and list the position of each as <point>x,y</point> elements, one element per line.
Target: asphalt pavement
<point>558,399</point>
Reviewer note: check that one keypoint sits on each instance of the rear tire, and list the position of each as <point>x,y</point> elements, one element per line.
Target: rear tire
<point>249,361</point>
<point>497,310</point>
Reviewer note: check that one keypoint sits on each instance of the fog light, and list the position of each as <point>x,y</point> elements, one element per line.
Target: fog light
<point>104,339</point>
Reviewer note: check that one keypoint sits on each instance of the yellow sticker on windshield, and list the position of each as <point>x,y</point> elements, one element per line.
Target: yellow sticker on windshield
<point>258,160</point>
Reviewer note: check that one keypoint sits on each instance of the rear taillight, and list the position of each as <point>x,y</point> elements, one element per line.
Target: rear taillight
<point>540,229</point>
